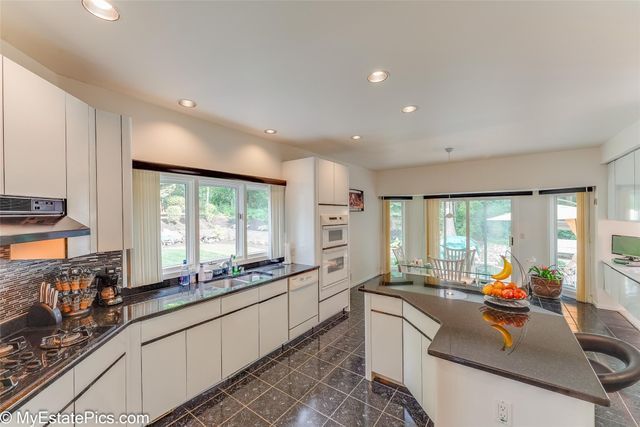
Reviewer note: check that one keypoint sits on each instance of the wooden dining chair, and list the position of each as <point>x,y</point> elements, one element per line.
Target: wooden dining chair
<point>448,269</point>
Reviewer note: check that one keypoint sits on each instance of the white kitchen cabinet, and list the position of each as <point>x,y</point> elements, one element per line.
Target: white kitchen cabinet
<point>78,171</point>
<point>164,374</point>
<point>55,398</point>
<point>325,182</point>
<point>109,181</point>
<point>1,134</point>
<point>107,394</point>
<point>412,359</point>
<point>386,346</point>
<point>625,188</point>
<point>274,324</point>
<point>340,184</point>
<point>429,380</point>
<point>204,357</point>
<point>333,183</point>
<point>34,134</point>
<point>127,184</point>
<point>240,339</point>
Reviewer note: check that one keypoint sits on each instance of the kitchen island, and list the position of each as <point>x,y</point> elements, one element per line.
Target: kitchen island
<point>470,364</point>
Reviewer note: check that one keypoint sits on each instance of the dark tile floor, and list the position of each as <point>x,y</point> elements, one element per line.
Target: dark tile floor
<point>318,380</point>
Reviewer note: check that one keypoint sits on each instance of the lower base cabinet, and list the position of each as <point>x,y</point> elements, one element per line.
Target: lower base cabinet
<point>429,381</point>
<point>164,374</point>
<point>240,339</point>
<point>412,359</point>
<point>386,346</point>
<point>274,324</point>
<point>107,394</point>
<point>204,364</point>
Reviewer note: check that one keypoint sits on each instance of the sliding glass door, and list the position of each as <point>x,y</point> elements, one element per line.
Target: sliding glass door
<point>565,242</point>
<point>483,225</point>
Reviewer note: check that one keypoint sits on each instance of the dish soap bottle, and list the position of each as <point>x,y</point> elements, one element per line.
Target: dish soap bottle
<point>184,274</point>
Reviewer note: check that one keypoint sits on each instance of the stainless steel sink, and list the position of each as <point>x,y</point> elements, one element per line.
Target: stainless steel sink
<point>225,283</point>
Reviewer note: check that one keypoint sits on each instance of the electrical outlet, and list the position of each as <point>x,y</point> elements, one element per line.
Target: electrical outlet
<point>503,413</point>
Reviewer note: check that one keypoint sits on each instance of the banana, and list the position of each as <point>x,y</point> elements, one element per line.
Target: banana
<point>507,268</point>
<point>507,340</point>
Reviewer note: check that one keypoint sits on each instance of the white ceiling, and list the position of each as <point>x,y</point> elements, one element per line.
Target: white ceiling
<point>491,78</point>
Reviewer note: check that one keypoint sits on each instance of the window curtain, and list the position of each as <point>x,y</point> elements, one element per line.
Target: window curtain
<point>432,227</point>
<point>583,236</point>
<point>146,260</point>
<point>386,232</point>
<point>277,221</point>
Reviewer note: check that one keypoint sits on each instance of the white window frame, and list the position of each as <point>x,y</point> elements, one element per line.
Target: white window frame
<point>192,212</point>
<point>190,223</point>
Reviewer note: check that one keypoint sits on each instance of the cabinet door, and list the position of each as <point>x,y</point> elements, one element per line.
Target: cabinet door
<point>204,357</point>
<point>274,324</point>
<point>127,185</point>
<point>386,346</point>
<point>55,398</point>
<point>429,381</point>
<point>240,336</point>
<point>34,134</point>
<point>78,172</point>
<point>611,191</point>
<point>625,188</point>
<point>325,182</point>
<point>109,181</point>
<point>164,375</point>
<point>412,359</point>
<point>341,184</point>
<point>108,394</point>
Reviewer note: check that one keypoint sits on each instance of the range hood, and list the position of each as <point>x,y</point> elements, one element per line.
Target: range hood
<point>32,219</point>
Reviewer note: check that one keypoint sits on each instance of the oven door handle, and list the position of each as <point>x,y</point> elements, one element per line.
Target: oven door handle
<point>335,249</point>
<point>335,227</point>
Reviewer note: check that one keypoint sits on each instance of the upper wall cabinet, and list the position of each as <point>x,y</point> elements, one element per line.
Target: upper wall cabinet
<point>333,183</point>
<point>624,188</point>
<point>113,181</point>
<point>34,134</point>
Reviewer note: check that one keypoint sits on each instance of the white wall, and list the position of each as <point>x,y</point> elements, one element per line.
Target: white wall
<point>365,228</point>
<point>561,169</point>
<point>624,142</point>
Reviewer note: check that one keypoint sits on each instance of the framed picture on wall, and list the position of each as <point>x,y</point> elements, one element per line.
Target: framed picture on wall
<point>356,200</point>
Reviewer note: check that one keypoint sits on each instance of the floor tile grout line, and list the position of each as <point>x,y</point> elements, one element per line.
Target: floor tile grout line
<point>627,408</point>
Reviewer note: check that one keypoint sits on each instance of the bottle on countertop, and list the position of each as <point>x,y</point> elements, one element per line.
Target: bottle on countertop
<point>184,274</point>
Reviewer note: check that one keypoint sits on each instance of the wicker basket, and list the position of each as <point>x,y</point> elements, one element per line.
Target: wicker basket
<point>546,288</point>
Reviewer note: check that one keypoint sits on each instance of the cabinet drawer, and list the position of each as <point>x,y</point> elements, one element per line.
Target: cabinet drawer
<point>240,300</point>
<point>180,319</point>
<point>56,397</point>
<point>333,289</point>
<point>333,305</point>
<point>386,304</point>
<point>272,289</point>
<point>424,323</point>
<point>98,362</point>
<point>303,279</point>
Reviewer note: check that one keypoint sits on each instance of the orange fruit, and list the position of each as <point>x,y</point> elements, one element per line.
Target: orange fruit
<point>498,285</point>
<point>487,289</point>
<point>512,285</point>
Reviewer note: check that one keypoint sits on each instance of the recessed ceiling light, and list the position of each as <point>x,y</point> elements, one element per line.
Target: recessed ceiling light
<point>409,108</point>
<point>188,103</point>
<point>102,9</point>
<point>270,131</point>
<point>356,137</point>
<point>378,76</point>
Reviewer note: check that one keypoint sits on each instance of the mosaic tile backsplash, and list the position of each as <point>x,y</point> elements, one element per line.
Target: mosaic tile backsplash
<point>20,280</point>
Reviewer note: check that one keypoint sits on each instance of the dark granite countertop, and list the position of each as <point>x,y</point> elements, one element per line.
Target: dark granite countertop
<point>109,321</point>
<point>544,353</point>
